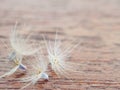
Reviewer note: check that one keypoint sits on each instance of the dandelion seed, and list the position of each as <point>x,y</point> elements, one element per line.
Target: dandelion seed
<point>58,58</point>
<point>15,61</point>
<point>20,45</point>
<point>39,67</point>
<point>19,48</point>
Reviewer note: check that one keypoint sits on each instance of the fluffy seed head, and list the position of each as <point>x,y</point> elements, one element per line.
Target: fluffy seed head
<point>58,58</point>
<point>38,71</point>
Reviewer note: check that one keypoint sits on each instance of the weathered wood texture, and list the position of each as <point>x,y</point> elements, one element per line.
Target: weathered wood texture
<point>93,23</point>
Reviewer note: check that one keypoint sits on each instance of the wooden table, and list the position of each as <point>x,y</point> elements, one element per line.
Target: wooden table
<point>93,23</point>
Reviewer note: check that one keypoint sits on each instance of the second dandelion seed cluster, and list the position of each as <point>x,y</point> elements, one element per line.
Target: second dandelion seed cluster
<point>56,56</point>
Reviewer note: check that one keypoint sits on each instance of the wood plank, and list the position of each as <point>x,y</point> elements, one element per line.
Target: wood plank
<point>93,23</point>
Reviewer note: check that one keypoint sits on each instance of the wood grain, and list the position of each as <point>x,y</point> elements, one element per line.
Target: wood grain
<point>93,23</point>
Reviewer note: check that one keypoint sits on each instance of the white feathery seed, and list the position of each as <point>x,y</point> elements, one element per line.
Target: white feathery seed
<point>58,58</point>
<point>39,68</point>
<point>19,48</point>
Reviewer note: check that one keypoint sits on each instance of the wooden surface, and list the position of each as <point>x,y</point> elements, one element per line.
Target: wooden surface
<point>93,23</point>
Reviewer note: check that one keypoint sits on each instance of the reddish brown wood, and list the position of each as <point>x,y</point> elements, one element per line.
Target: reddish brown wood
<point>93,23</point>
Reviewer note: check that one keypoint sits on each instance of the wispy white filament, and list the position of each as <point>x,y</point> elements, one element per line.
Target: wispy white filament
<point>39,67</point>
<point>58,58</point>
<point>20,44</point>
